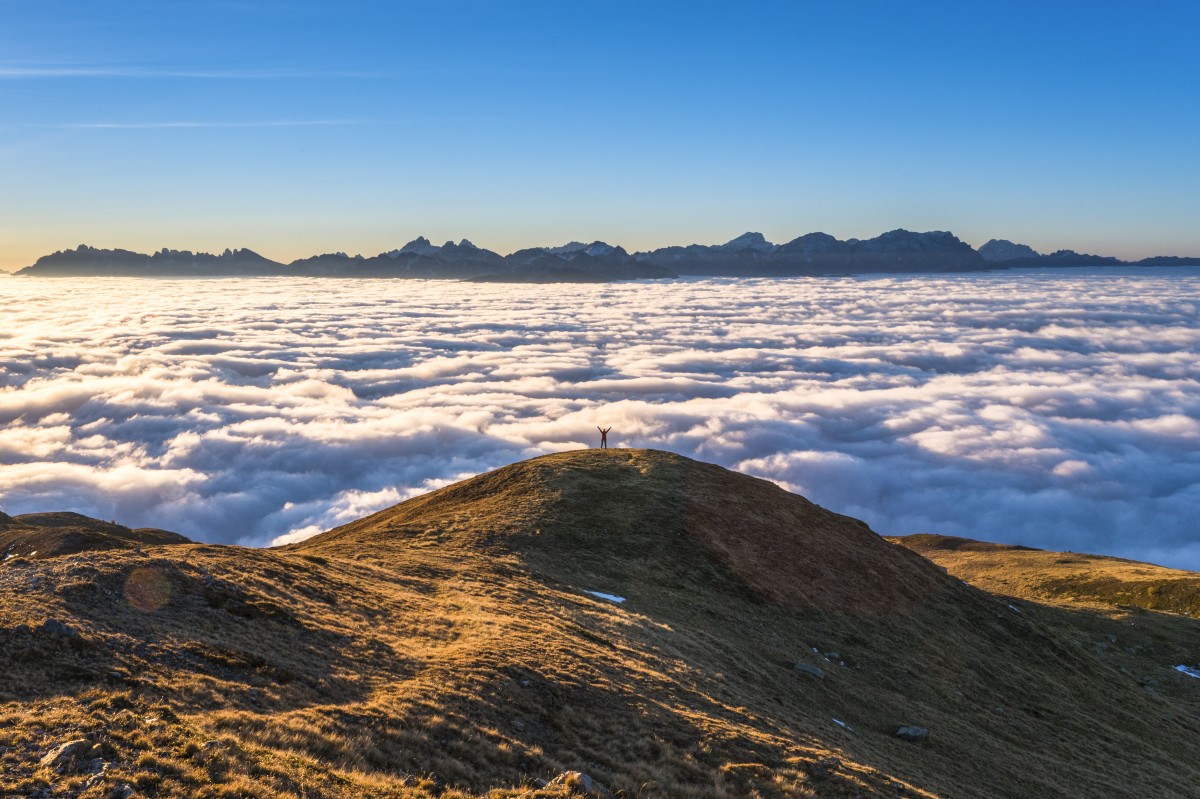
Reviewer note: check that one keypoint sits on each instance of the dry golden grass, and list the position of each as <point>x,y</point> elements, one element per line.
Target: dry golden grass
<point>1068,577</point>
<point>447,647</point>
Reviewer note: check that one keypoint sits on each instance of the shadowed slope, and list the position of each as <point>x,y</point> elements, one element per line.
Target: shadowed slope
<point>45,535</point>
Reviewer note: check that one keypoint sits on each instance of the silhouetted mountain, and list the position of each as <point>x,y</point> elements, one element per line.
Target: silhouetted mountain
<point>86,260</point>
<point>1000,250</point>
<point>597,262</point>
<point>1169,260</point>
<point>1066,258</point>
<point>750,255</point>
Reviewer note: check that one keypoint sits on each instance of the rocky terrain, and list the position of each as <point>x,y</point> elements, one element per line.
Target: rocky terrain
<point>591,623</point>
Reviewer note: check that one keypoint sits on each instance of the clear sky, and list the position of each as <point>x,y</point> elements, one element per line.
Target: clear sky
<point>300,127</point>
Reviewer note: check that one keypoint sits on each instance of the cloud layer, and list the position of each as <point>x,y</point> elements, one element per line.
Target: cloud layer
<point>1057,410</point>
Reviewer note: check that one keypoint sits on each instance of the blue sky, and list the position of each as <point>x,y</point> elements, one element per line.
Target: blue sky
<point>302,127</point>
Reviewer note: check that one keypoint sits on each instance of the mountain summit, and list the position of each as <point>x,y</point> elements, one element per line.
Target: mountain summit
<point>584,623</point>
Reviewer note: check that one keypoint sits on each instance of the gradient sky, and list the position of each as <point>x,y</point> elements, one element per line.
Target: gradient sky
<point>302,127</point>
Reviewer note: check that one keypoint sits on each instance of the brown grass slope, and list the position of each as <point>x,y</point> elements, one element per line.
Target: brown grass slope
<point>47,535</point>
<point>446,646</point>
<point>1061,576</point>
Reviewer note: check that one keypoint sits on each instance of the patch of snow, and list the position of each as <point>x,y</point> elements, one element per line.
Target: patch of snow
<point>609,597</point>
<point>1014,608</point>
<point>31,554</point>
<point>574,246</point>
<point>1189,671</point>
<point>841,723</point>
<point>598,248</point>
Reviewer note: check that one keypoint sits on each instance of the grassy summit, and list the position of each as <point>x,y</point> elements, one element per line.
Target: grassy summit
<point>451,645</point>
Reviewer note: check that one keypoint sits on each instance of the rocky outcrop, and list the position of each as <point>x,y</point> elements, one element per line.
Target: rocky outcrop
<point>912,734</point>
<point>65,757</point>
<point>580,784</point>
<point>1000,250</point>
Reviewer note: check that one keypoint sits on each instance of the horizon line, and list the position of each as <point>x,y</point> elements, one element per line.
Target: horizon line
<point>583,243</point>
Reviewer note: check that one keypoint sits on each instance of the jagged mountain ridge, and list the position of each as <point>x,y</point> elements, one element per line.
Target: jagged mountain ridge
<point>748,255</point>
<point>741,642</point>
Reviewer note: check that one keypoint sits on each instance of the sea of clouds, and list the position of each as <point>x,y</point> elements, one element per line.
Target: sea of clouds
<point>1054,409</point>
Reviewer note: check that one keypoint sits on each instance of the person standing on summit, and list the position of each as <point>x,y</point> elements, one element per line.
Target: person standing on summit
<point>604,436</point>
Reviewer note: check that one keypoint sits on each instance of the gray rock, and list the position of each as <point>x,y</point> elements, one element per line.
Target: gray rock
<point>912,734</point>
<point>57,629</point>
<point>810,670</point>
<point>581,784</point>
<point>122,791</point>
<point>65,757</point>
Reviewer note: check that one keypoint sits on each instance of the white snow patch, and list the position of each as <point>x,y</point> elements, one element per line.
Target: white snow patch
<point>1189,671</point>
<point>1014,608</point>
<point>609,597</point>
<point>841,723</point>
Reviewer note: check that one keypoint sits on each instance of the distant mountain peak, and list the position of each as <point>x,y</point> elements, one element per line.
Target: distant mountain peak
<point>565,249</point>
<point>998,250</point>
<point>748,241</point>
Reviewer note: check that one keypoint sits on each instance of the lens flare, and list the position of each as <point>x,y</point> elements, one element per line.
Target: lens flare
<point>147,588</point>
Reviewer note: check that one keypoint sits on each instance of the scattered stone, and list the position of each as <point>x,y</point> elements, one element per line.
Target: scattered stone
<point>64,757</point>
<point>57,629</point>
<point>811,671</point>
<point>912,734</point>
<point>122,791</point>
<point>581,784</point>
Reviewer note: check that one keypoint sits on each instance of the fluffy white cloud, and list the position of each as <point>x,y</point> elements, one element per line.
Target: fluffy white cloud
<point>1058,410</point>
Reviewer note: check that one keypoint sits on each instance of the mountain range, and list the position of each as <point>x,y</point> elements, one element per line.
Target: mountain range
<point>595,623</point>
<point>748,255</point>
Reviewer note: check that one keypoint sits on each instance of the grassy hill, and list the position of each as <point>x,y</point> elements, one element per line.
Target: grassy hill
<point>47,535</point>
<point>470,642</point>
<point>1061,577</point>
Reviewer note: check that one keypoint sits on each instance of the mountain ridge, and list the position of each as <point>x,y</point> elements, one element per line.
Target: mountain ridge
<point>747,255</point>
